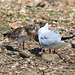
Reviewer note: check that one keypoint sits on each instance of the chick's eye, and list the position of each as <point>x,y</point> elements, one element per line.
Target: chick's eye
<point>31,25</point>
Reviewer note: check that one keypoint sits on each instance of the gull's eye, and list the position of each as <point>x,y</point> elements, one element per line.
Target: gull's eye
<point>40,22</point>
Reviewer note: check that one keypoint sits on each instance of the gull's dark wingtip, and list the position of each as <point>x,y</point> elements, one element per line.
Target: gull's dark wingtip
<point>65,38</point>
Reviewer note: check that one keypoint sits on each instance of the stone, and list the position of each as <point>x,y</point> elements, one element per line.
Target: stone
<point>0,50</point>
<point>22,10</point>
<point>10,12</point>
<point>1,43</point>
<point>14,66</point>
<point>24,54</point>
<point>72,32</point>
<point>32,63</point>
<point>41,4</point>
<point>73,43</point>
<point>9,53</point>
<point>50,57</point>
<point>73,27</point>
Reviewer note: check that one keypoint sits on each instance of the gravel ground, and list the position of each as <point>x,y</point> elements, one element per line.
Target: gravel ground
<point>16,14</point>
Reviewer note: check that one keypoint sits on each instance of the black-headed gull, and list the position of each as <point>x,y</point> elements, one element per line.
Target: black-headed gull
<point>50,39</point>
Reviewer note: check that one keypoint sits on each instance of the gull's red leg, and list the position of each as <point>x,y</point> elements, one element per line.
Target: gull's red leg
<point>54,51</point>
<point>41,51</point>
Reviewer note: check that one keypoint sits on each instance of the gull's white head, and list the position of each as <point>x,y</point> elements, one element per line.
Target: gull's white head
<point>46,26</point>
<point>42,29</point>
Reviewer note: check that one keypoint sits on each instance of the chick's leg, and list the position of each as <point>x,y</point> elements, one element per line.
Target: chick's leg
<point>23,45</point>
<point>49,50</point>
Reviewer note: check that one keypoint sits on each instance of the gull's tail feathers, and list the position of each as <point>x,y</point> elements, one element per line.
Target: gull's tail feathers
<point>65,44</point>
<point>68,45</point>
<point>61,44</point>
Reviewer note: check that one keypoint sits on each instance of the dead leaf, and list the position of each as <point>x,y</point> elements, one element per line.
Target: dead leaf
<point>69,19</point>
<point>4,15</point>
<point>26,47</point>
<point>72,54</point>
<point>15,25</point>
<point>31,67</point>
<point>42,68</point>
<point>52,72</point>
<point>51,18</point>
<point>44,16</point>
<point>10,73</point>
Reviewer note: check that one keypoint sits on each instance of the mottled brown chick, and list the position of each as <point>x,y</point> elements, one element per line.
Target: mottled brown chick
<point>22,33</point>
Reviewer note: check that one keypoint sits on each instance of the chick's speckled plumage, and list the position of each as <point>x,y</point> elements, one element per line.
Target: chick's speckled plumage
<point>22,33</point>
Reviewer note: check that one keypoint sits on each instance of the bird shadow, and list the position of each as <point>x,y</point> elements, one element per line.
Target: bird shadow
<point>36,51</point>
<point>10,48</point>
<point>61,58</point>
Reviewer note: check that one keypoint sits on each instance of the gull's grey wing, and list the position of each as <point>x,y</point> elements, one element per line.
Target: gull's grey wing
<point>48,37</point>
